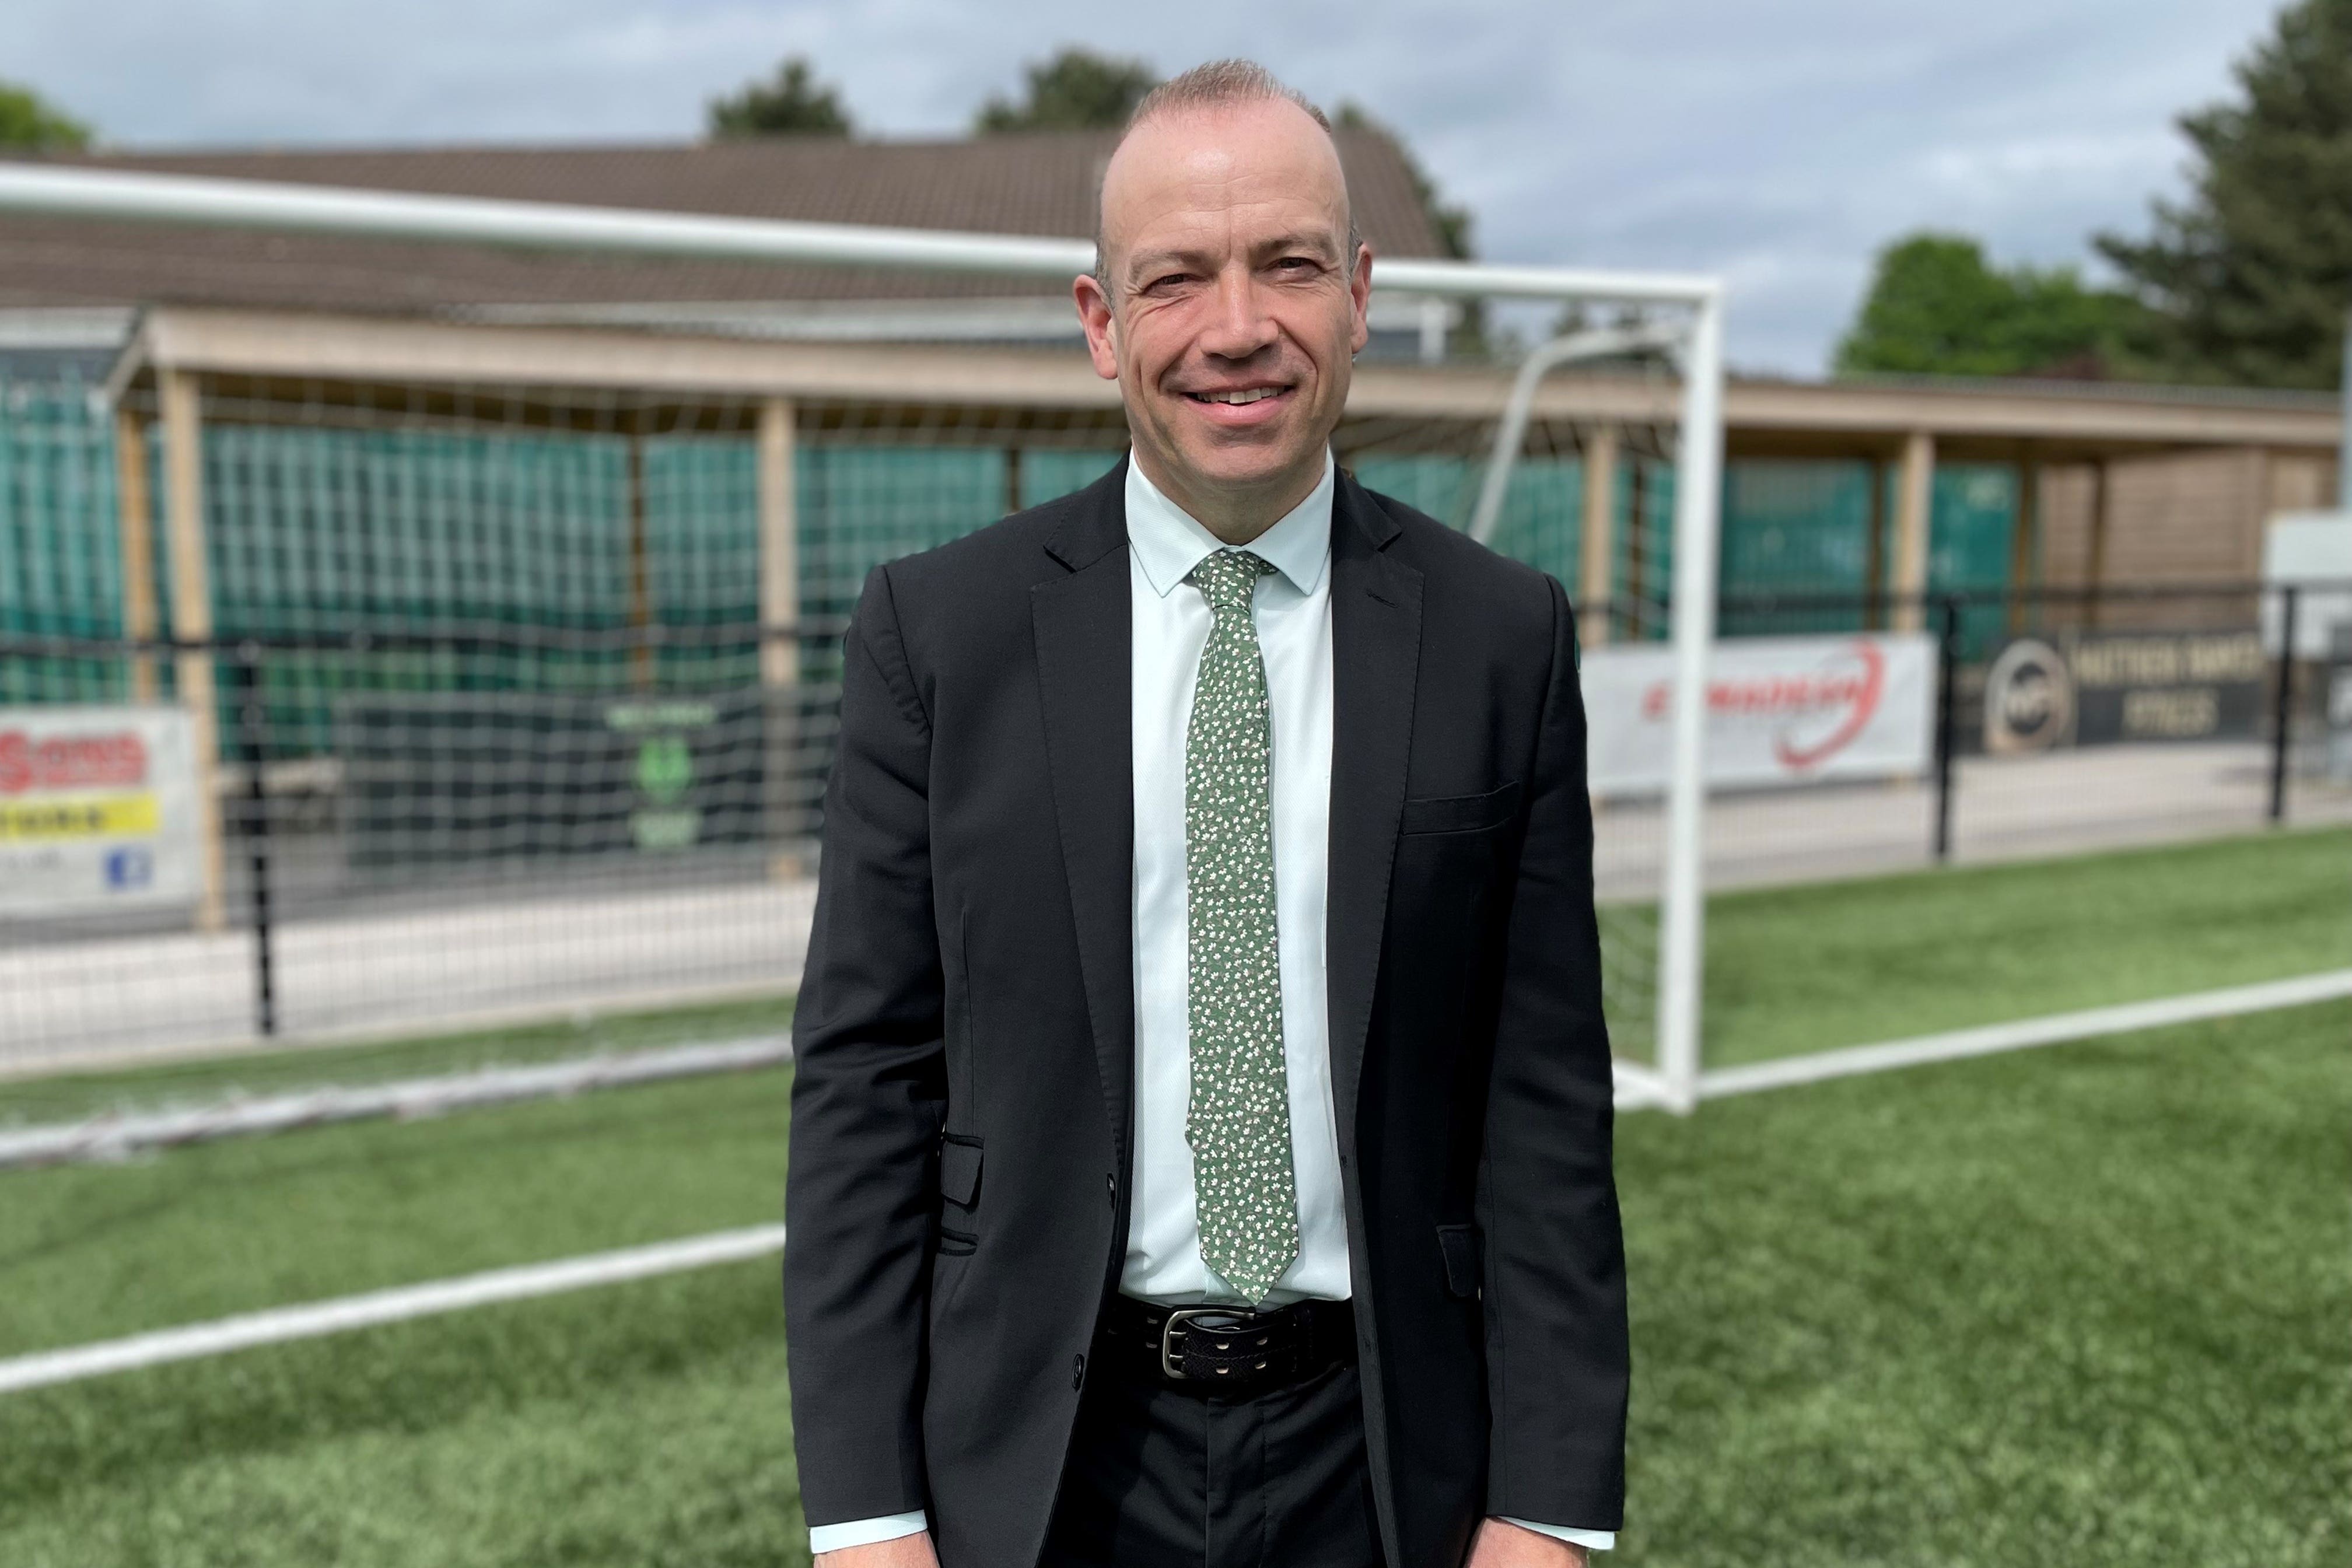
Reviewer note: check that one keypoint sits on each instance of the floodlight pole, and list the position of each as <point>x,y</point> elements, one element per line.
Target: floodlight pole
<point>1682,919</point>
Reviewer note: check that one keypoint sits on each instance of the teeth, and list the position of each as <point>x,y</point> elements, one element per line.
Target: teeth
<point>1253,396</point>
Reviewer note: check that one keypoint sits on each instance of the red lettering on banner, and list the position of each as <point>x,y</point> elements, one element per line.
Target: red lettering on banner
<point>70,761</point>
<point>1859,694</point>
<point>1794,697</point>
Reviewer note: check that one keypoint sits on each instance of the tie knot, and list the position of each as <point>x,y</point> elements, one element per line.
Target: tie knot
<point>1226,578</point>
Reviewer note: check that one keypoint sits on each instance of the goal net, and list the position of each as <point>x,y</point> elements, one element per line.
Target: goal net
<point>384,673</point>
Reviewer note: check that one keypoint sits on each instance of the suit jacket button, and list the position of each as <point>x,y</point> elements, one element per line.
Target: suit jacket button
<point>1077,1371</point>
<point>1110,1189</point>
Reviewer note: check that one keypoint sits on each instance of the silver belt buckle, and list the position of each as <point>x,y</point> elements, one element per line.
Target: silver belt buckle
<point>1181,1318</point>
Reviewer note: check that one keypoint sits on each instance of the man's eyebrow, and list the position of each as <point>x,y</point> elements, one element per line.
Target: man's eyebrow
<point>1314,240</point>
<point>1145,263</point>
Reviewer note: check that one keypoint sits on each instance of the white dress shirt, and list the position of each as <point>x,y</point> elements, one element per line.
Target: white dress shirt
<point>1292,607</point>
<point>1171,620</point>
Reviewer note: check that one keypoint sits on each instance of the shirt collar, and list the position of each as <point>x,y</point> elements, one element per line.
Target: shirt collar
<point>1168,542</point>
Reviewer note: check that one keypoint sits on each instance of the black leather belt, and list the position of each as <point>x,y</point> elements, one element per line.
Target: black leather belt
<point>1220,1350</point>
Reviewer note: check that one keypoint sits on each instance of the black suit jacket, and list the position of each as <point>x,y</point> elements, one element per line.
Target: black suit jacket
<point>960,1119</point>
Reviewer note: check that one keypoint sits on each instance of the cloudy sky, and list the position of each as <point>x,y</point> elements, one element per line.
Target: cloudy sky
<point>1778,145</point>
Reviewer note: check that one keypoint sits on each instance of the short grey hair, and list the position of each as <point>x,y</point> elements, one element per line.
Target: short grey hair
<point>1219,84</point>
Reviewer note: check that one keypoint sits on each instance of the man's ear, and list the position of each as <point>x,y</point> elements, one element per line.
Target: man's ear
<point>1360,295</point>
<point>1101,323</point>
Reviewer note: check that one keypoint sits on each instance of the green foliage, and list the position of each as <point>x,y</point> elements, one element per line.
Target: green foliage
<point>28,124</point>
<point>1937,306</point>
<point>791,103</point>
<point>2247,281</point>
<point>1077,89</point>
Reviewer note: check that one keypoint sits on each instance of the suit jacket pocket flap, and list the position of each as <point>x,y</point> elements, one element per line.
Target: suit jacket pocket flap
<point>959,1168</point>
<point>1460,813</point>
<point>1459,1243</point>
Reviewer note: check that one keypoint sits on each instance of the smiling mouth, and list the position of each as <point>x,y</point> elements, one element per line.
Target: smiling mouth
<point>1237,398</point>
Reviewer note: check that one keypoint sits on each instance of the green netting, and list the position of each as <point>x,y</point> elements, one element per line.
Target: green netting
<point>1543,508</point>
<point>1049,473</point>
<point>60,538</point>
<point>1798,528</point>
<point>1642,573</point>
<point>1972,526</point>
<point>325,531</point>
<point>860,506</point>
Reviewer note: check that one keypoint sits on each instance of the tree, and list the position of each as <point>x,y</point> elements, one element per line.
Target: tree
<point>1075,90</point>
<point>791,104</point>
<point>30,124</point>
<point>1936,307</point>
<point>2247,281</point>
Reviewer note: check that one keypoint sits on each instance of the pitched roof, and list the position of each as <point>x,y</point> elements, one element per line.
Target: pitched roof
<point>1036,183</point>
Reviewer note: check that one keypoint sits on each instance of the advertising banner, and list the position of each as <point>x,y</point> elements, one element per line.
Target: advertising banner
<point>1780,711</point>
<point>2103,689</point>
<point>98,809</point>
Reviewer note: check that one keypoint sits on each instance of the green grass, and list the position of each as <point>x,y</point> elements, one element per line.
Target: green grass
<point>2088,1305</point>
<point>89,1251</point>
<point>2084,1305</point>
<point>1790,970</point>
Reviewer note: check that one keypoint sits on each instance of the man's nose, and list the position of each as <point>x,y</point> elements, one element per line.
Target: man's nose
<point>1239,324</point>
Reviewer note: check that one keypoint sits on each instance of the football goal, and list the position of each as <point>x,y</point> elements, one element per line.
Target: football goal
<point>472,658</point>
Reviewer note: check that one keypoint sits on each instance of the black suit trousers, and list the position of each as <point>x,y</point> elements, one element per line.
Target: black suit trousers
<point>1161,1478</point>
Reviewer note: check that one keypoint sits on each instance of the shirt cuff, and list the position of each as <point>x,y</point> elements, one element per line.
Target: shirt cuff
<point>1591,1539</point>
<point>865,1531</point>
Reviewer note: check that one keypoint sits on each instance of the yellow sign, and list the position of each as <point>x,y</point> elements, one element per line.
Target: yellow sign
<point>79,816</point>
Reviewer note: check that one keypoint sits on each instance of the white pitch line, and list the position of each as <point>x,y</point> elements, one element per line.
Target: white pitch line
<point>114,1135</point>
<point>2054,1029</point>
<point>344,1313</point>
<point>1635,1088</point>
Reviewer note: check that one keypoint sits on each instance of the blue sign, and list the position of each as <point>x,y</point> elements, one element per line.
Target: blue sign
<point>130,866</point>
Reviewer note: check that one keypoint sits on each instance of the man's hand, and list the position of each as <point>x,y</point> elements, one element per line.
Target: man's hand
<point>1501,1545</point>
<point>915,1551</point>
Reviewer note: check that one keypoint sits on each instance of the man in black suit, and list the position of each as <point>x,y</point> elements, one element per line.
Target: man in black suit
<point>1201,1144</point>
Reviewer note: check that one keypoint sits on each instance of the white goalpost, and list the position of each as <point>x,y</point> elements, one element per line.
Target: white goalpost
<point>1677,317</point>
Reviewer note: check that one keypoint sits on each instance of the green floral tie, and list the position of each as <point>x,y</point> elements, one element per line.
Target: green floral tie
<point>1239,1124</point>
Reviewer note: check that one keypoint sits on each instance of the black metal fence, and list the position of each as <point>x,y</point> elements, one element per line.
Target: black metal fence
<point>2075,718</point>
<point>424,827</point>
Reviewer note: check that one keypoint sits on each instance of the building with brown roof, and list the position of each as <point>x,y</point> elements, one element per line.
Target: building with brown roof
<point>64,280</point>
<point>1872,487</point>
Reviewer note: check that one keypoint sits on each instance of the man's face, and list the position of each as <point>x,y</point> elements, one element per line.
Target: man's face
<point>1232,310</point>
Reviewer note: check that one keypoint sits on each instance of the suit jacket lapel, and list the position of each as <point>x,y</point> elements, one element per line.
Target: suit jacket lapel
<point>1375,657</point>
<point>1082,626</point>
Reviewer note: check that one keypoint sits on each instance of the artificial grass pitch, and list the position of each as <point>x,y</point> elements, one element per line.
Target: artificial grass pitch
<point>2081,1305</point>
<point>1799,969</point>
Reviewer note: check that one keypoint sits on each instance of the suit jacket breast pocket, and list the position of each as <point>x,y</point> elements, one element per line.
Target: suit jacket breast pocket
<point>1461,813</point>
